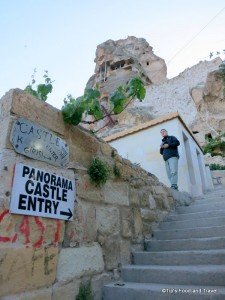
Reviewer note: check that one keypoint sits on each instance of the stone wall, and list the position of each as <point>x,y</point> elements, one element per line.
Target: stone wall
<point>220,174</point>
<point>43,258</point>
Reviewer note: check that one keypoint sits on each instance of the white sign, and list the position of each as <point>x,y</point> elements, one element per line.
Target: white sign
<point>37,192</point>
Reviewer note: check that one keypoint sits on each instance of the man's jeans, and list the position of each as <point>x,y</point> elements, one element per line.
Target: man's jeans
<point>172,170</point>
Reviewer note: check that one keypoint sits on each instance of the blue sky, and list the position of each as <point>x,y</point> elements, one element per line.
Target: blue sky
<point>62,36</point>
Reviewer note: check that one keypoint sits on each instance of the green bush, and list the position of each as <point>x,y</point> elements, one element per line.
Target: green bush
<point>98,172</point>
<point>215,146</point>
<point>216,167</point>
<point>116,171</point>
<point>85,292</point>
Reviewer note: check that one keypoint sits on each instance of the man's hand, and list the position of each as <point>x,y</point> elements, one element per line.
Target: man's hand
<point>165,146</point>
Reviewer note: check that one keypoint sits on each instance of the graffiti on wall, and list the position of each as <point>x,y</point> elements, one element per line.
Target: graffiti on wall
<point>25,229</point>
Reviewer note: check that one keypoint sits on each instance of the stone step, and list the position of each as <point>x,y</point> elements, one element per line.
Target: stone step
<point>190,275</point>
<point>186,244</point>
<point>208,200</point>
<point>211,195</point>
<point>193,216</point>
<point>203,222</point>
<point>201,232</point>
<point>191,257</point>
<point>201,207</point>
<point>154,291</point>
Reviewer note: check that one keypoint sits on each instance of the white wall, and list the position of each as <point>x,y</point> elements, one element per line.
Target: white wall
<point>143,147</point>
<point>192,163</point>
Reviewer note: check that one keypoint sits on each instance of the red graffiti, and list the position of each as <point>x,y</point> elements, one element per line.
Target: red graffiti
<point>41,226</point>
<point>57,232</point>
<point>14,238</point>
<point>2,215</point>
<point>5,239</point>
<point>25,229</point>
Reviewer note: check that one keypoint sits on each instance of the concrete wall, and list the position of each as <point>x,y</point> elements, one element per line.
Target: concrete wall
<point>143,147</point>
<point>192,164</point>
<point>43,258</point>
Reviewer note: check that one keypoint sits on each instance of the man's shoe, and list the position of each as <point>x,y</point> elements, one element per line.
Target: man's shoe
<point>174,187</point>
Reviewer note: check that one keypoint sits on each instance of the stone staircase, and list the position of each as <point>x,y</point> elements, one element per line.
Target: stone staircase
<point>184,260</point>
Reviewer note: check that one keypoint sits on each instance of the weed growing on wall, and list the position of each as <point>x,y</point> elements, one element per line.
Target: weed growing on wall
<point>215,146</point>
<point>41,90</point>
<point>99,172</point>
<point>216,167</point>
<point>85,292</point>
<point>116,171</point>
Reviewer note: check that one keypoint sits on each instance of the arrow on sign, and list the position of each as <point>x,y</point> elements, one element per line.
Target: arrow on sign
<point>65,213</point>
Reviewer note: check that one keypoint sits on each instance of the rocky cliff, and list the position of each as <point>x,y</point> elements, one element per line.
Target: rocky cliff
<point>197,93</point>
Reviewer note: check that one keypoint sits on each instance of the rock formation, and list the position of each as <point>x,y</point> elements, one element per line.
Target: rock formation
<point>197,93</point>
<point>118,61</point>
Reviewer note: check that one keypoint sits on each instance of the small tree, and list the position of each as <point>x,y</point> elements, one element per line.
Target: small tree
<point>75,110</point>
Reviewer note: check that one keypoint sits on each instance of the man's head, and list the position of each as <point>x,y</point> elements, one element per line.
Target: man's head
<point>163,132</point>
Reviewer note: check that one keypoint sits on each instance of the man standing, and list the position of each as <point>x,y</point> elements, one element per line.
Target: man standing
<point>170,154</point>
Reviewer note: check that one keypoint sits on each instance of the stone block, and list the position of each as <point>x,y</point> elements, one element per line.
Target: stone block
<point>5,104</point>
<point>117,193</point>
<point>162,202</point>
<point>126,222</point>
<point>97,284</point>
<point>106,150</point>
<point>77,262</point>
<point>111,252</point>
<point>41,294</point>
<point>159,189</point>
<point>147,230</point>
<point>134,197</point>
<point>125,252</point>
<point>6,126</point>
<point>151,201</point>
<point>83,146</point>
<point>144,197</point>
<point>27,106</point>
<point>108,220</point>
<point>148,215</point>
<point>84,226</point>
<point>127,172</point>
<point>88,191</point>
<point>138,226</point>
<point>23,269</point>
<point>66,290</point>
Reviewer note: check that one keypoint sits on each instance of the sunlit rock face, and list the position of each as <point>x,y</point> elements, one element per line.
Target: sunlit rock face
<point>196,93</point>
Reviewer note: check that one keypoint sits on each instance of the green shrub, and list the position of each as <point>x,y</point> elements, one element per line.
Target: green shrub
<point>85,292</point>
<point>216,167</point>
<point>98,172</point>
<point>215,146</point>
<point>113,153</point>
<point>116,171</point>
